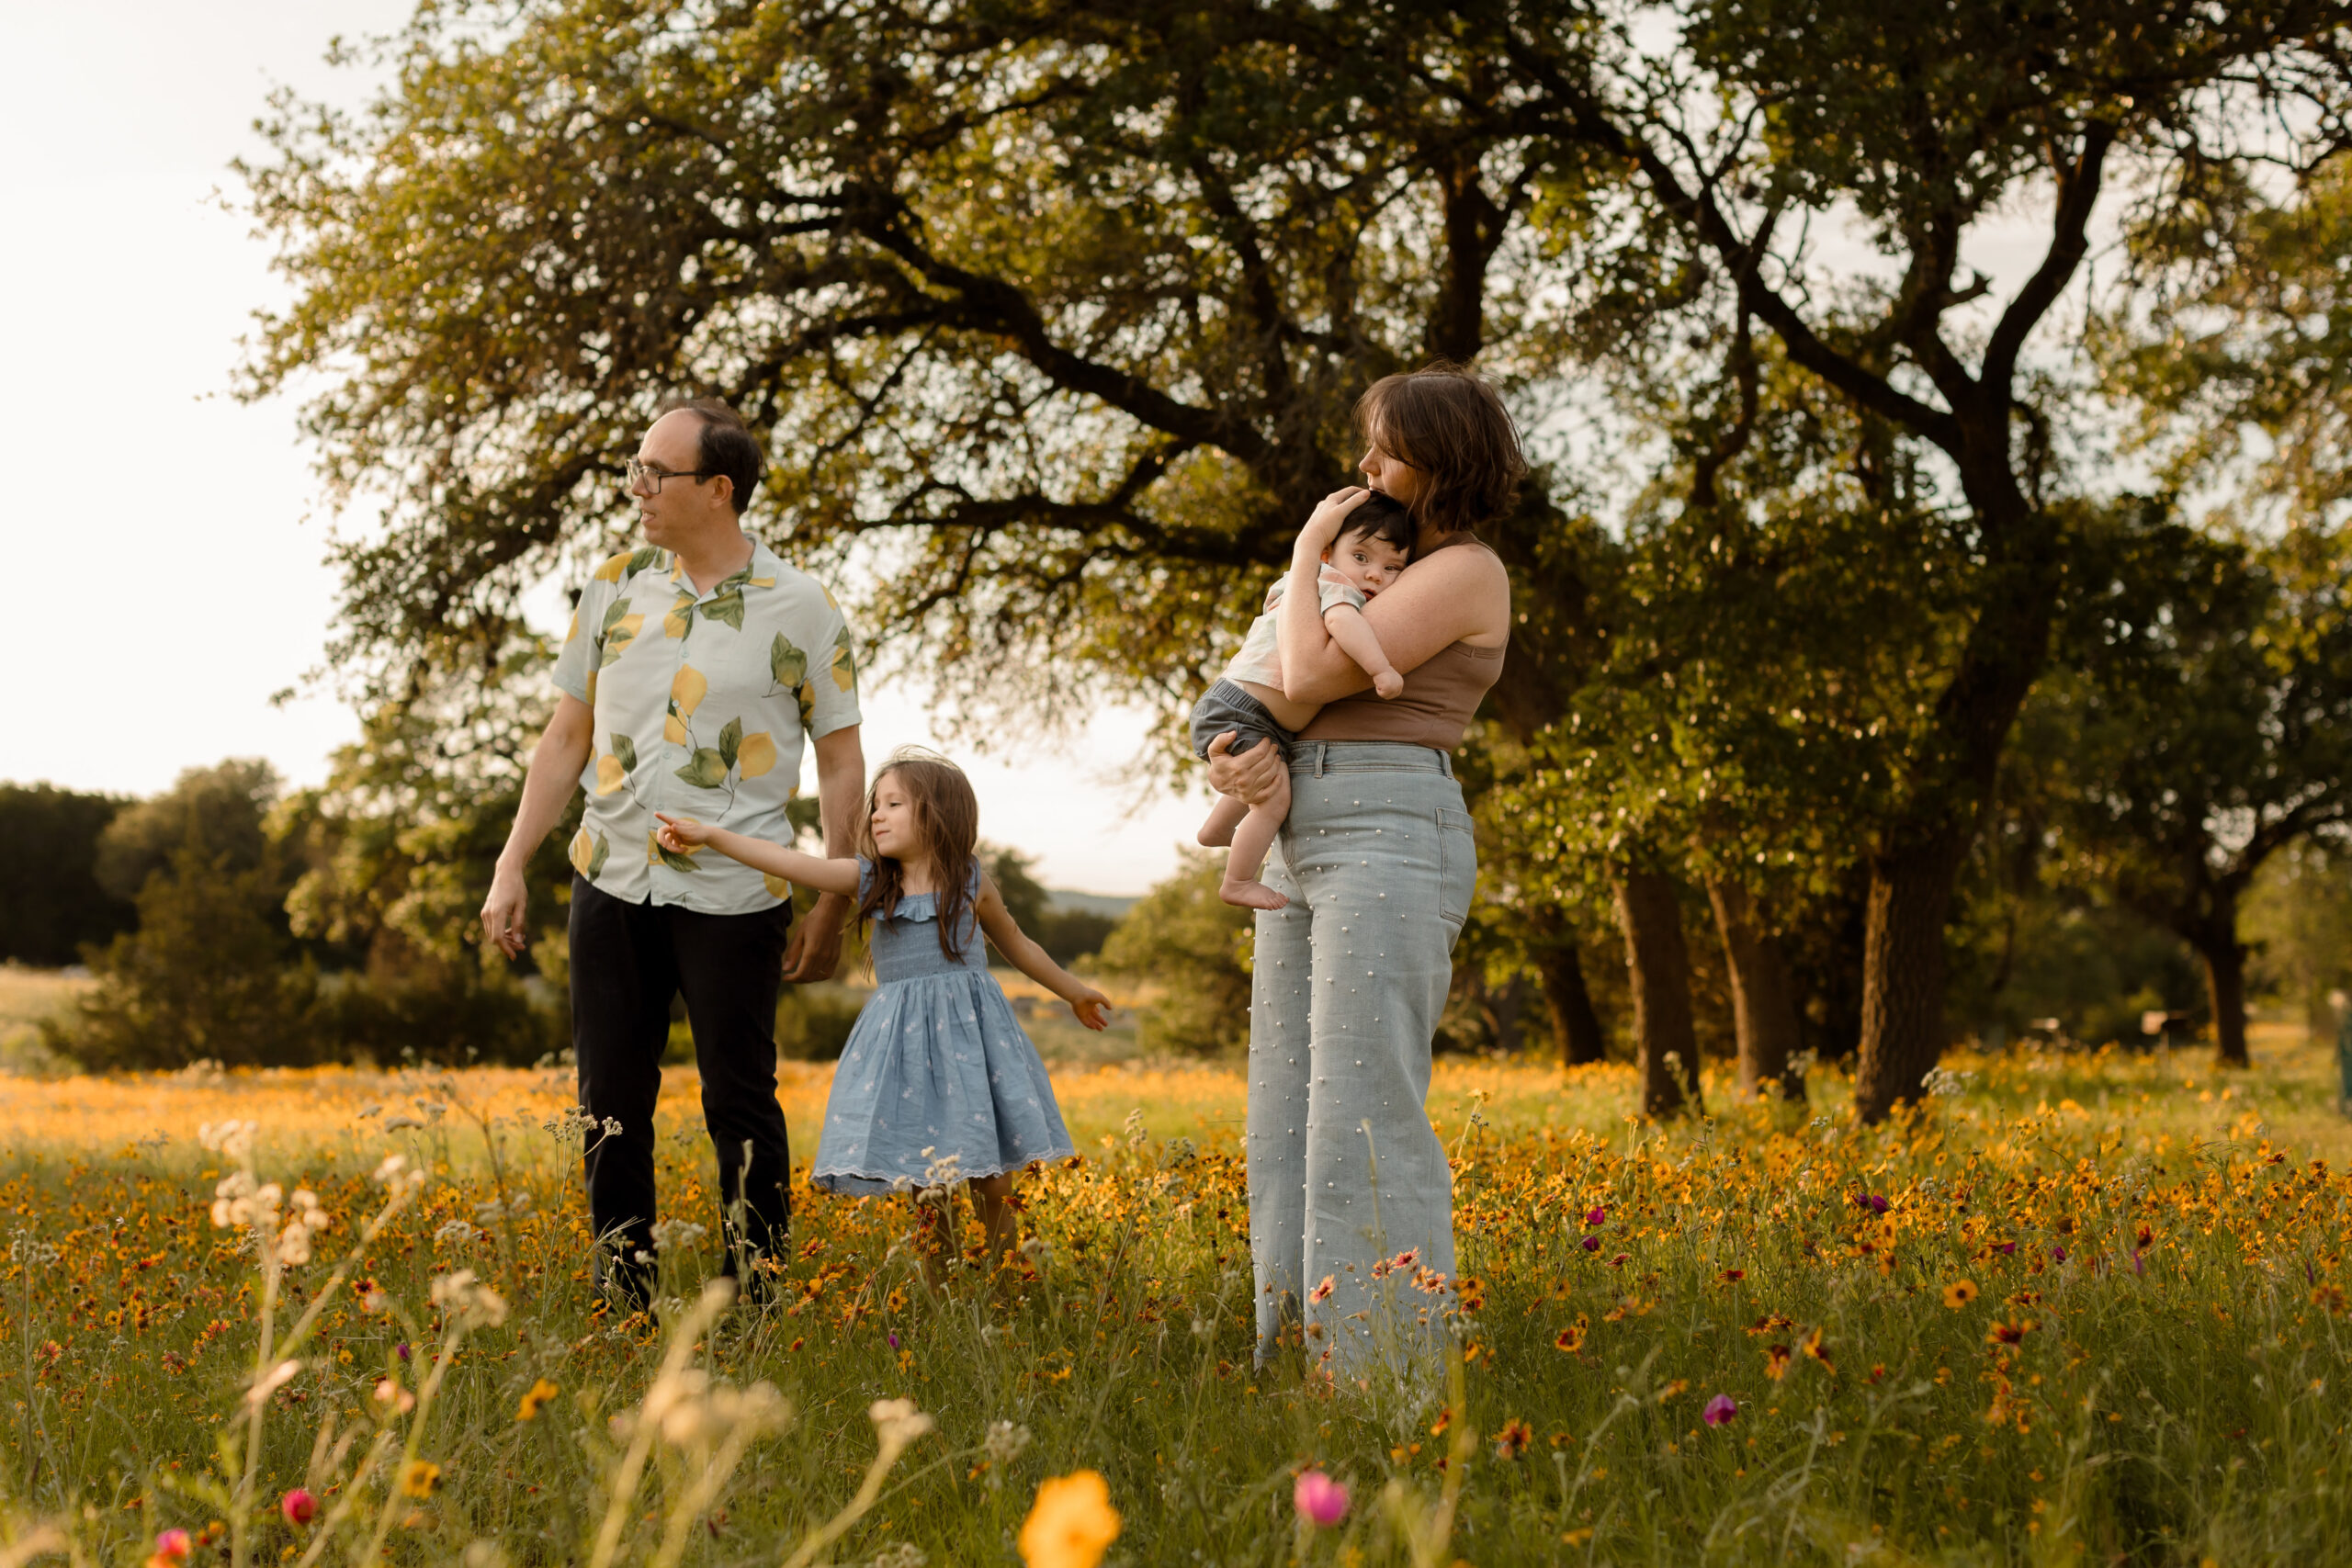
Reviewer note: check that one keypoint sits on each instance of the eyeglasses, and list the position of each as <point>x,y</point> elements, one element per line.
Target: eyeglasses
<point>648,478</point>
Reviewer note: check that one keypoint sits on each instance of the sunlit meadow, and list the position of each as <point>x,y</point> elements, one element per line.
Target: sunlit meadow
<point>2084,1307</point>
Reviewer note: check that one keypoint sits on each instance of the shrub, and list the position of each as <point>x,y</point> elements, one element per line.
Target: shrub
<point>1194,947</point>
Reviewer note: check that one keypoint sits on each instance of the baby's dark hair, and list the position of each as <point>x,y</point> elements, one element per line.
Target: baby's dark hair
<point>1380,517</point>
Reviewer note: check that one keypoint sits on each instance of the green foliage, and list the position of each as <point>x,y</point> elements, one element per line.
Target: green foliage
<point>331,926</point>
<point>52,902</point>
<point>1193,948</point>
<point>2299,922</point>
<point>1067,935</point>
<point>813,1021</point>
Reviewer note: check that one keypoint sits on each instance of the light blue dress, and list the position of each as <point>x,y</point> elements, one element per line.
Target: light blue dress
<point>937,1067</point>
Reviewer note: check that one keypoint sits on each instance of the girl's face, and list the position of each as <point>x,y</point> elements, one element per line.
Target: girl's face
<point>1392,477</point>
<point>896,832</point>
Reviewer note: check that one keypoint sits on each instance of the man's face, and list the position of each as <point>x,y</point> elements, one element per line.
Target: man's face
<point>1371,564</point>
<point>682,505</point>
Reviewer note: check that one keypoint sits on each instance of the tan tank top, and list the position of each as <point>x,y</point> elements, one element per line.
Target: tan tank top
<point>1436,705</point>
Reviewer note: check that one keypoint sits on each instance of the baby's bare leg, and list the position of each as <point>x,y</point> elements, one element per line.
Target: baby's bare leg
<point>1248,856</point>
<point>1359,642</point>
<point>1224,817</point>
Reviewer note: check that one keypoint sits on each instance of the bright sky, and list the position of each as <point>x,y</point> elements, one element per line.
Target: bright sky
<point>183,582</point>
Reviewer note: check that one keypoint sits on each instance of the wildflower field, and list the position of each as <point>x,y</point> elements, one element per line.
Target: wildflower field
<point>2080,1308</point>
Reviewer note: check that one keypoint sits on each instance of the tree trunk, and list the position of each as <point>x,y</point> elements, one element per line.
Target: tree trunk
<point>1902,973</point>
<point>1763,1001</point>
<point>1659,964</point>
<point>2217,944</point>
<point>1576,1028</point>
<point>1505,1011</point>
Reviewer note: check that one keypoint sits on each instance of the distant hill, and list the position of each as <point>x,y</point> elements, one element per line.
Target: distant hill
<point>1106,904</point>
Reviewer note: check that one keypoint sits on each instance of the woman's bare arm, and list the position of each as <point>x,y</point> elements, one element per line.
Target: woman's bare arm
<point>1453,596</point>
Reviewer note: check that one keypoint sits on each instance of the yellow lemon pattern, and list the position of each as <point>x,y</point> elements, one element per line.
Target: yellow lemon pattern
<point>708,719</point>
<point>689,689</point>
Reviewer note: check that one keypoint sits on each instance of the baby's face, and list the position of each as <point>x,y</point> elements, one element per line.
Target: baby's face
<point>1371,564</point>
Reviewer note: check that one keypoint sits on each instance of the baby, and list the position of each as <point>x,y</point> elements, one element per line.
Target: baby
<point>1248,698</point>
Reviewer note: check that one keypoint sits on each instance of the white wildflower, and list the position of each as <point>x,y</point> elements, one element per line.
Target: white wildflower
<point>1004,1442</point>
<point>672,1235</point>
<point>898,1423</point>
<point>270,1382</point>
<point>472,1303</point>
<point>905,1554</point>
<point>234,1139</point>
<point>457,1233</point>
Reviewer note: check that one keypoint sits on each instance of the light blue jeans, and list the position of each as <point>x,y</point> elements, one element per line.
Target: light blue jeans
<point>1378,863</point>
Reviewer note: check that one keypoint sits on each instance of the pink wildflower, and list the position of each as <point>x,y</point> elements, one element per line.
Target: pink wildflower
<point>1320,1498</point>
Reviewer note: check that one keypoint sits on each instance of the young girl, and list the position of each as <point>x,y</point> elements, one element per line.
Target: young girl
<point>937,1074</point>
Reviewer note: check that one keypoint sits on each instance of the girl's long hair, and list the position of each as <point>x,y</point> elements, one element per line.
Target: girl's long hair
<point>1450,424</point>
<point>947,815</point>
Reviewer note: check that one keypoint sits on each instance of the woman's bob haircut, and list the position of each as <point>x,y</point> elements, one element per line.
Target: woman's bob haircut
<point>1450,426</point>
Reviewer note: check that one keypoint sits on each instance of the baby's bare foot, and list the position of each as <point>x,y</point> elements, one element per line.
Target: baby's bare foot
<point>1388,683</point>
<point>1252,896</point>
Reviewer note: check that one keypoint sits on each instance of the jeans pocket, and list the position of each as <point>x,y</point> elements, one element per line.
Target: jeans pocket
<point>1457,869</point>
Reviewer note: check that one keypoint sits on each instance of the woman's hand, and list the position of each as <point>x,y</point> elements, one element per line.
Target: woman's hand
<point>1253,777</point>
<point>1324,526</point>
<point>680,834</point>
<point>1092,1008</point>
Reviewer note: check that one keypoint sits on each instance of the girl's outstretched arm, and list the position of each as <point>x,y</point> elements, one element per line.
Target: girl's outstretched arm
<point>682,835</point>
<point>1092,1008</point>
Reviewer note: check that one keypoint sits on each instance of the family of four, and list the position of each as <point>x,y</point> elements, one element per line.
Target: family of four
<point>699,664</point>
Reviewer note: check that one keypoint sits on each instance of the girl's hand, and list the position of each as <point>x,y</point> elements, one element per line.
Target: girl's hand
<point>1324,526</point>
<point>680,834</point>
<point>1092,1008</point>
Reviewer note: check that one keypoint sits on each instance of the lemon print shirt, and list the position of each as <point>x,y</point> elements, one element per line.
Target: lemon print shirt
<point>700,703</point>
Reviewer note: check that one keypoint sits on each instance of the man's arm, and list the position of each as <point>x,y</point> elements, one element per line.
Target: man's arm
<point>556,762</point>
<point>814,950</point>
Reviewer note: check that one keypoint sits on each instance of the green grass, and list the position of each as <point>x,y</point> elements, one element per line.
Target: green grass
<point>2164,1399</point>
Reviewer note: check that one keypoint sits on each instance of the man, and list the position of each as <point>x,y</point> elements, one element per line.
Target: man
<point>692,667</point>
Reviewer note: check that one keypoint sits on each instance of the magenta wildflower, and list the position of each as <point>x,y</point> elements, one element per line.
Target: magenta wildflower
<point>401,1350</point>
<point>1591,1243</point>
<point>1595,1214</point>
<point>1320,1498</point>
<point>1871,1201</point>
<point>1720,1410</point>
<point>894,1342</point>
<point>298,1507</point>
<point>2057,1255</point>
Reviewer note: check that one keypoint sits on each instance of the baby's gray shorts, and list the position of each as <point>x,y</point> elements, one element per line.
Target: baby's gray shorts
<point>1226,706</point>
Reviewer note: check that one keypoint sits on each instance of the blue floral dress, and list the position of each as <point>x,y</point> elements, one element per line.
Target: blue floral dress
<point>936,1066</point>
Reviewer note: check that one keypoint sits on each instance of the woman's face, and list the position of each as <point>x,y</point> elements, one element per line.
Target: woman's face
<point>1392,477</point>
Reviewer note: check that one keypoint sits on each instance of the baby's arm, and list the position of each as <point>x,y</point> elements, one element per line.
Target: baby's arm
<point>1092,1008</point>
<point>682,834</point>
<point>1359,642</point>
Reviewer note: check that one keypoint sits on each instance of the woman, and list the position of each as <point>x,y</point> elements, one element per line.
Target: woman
<point>1378,866</point>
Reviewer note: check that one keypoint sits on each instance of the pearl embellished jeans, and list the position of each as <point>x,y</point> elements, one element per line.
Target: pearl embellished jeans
<point>1378,863</point>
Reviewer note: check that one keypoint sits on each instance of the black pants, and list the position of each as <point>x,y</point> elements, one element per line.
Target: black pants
<point>627,961</point>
